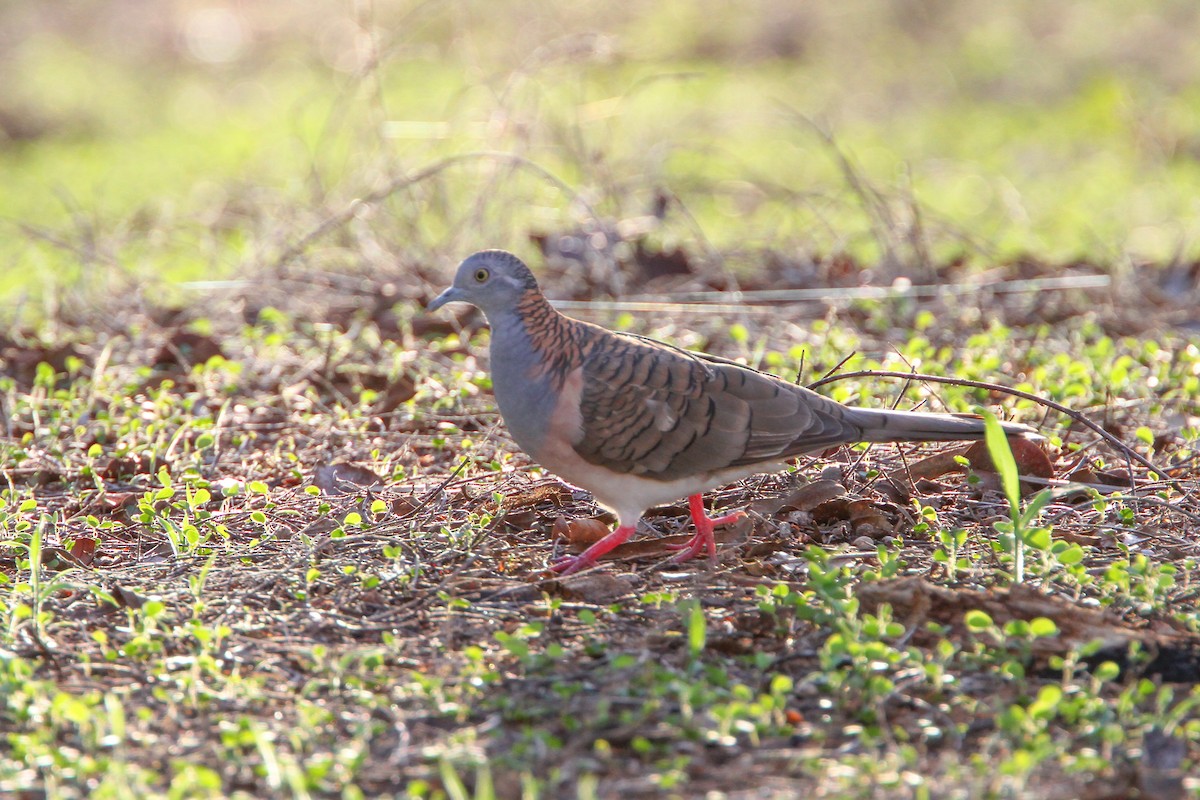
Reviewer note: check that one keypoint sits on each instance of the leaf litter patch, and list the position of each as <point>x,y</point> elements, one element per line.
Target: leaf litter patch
<point>411,586</point>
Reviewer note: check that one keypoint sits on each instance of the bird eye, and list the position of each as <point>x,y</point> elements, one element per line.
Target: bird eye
<point>481,275</point>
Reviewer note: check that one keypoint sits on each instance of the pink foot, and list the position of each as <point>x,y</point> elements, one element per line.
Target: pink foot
<point>568,565</point>
<point>703,538</point>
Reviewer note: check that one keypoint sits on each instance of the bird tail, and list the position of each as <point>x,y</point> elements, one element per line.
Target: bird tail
<point>914,426</point>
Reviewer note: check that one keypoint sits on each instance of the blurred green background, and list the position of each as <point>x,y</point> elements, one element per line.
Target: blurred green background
<point>143,143</point>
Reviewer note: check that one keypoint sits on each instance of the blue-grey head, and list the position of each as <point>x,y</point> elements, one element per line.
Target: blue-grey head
<point>492,280</point>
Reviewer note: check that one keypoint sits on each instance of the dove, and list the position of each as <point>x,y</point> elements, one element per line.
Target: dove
<point>639,423</point>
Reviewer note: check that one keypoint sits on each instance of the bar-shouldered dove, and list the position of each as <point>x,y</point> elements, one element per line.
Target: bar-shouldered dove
<point>639,423</point>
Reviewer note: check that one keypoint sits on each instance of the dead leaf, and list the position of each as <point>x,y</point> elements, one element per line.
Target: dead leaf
<point>127,598</point>
<point>1100,477</point>
<point>803,498</point>
<point>935,466</point>
<point>84,550</point>
<point>1031,460</point>
<point>598,587</point>
<point>835,510</point>
<point>580,533</point>
<point>672,511</point>
<point>344,478</point>
<point>519,508</point>
<point>868,520</point>
<point>113,501</point>
<point>58,558</point>
<point>926,486</point>
<point>520,519</point>
<point>548,492</point>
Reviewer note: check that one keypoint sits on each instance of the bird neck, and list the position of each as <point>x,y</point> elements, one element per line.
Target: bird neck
<point>530,363</point>
<point>536,332</point>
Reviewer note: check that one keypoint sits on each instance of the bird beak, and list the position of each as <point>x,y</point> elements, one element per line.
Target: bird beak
<point>449,296</point>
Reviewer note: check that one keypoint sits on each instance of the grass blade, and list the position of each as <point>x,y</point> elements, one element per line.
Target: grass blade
<point>1006,468</point>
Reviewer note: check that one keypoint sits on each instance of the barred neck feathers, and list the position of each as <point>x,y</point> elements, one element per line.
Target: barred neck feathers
<point>558,340</point>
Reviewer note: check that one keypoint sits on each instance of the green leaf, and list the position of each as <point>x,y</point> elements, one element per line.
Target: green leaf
<point>451,782</point>
<point>1006,467</point>
<point>1038,538</point>
<point>977,620</point>
<point>697,628</point>
<point>1002,458</point>
<point>1035,506</point>
<point>1047,700</point>
<point>1042,626</point>
<point>1070,556</point>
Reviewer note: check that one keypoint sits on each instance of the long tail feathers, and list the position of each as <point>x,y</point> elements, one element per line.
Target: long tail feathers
<point>915,426</point>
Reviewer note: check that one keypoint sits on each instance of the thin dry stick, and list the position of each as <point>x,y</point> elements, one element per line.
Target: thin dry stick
<point>996,387</point>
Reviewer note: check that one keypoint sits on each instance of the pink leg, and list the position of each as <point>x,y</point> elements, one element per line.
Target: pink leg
<point>571,564</point>
<point>703,538</point>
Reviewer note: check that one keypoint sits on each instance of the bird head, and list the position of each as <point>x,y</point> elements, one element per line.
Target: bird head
<point>492,280</point>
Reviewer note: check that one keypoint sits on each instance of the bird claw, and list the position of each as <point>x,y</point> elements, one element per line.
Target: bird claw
<point>703,538</point>
<point>727,519</point>
<point>569,565</point>
<point>688,551</point>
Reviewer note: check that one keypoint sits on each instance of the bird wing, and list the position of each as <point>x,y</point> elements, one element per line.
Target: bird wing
<point>651,409</point>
